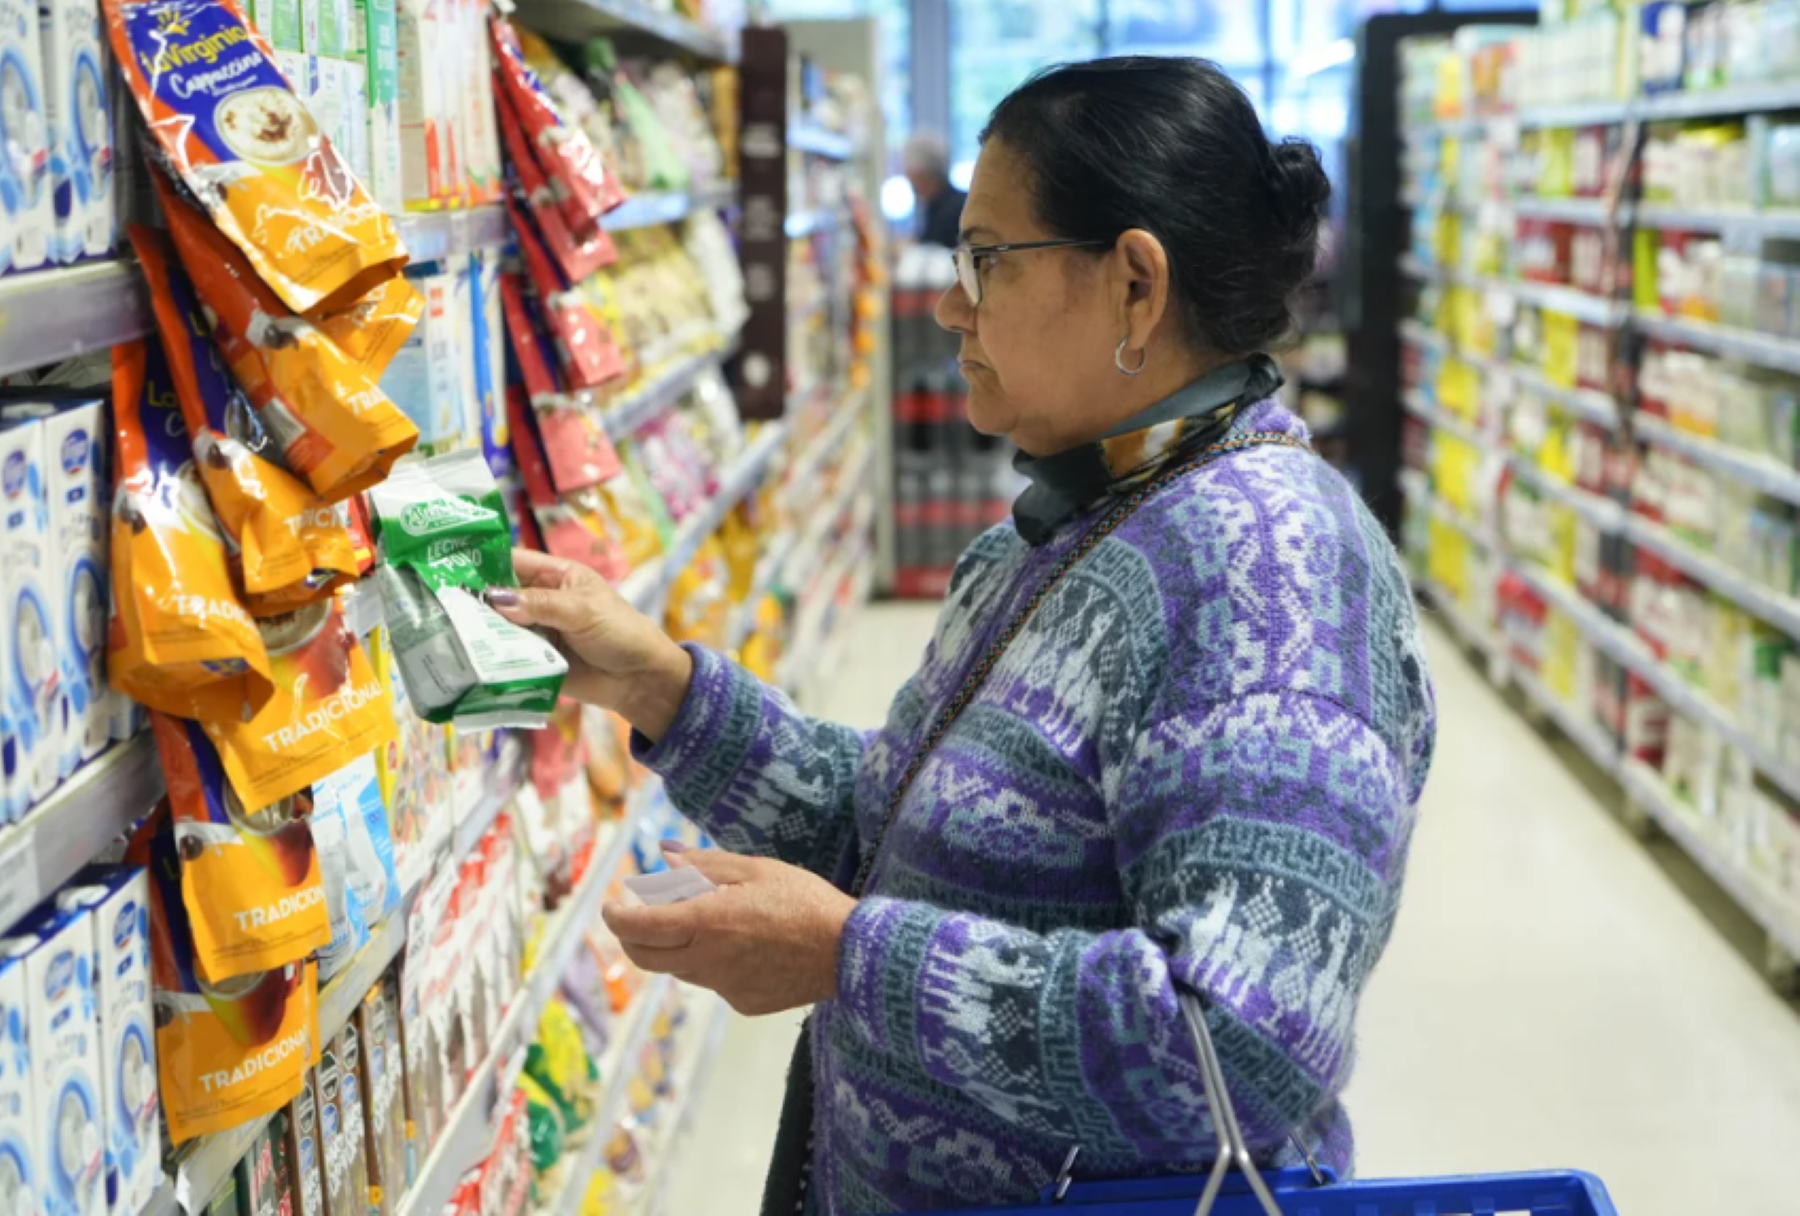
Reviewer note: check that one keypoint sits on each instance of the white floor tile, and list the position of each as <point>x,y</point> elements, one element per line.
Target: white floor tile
<point>1550,997</point>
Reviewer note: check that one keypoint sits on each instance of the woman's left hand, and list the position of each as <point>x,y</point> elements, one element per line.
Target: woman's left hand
<point>766,940</point>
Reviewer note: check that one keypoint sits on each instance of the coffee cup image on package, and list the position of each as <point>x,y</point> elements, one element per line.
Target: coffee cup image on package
<point>250,879</point>
<point>227,1051</point>
<point>179,639</point>
<point>225,120</point>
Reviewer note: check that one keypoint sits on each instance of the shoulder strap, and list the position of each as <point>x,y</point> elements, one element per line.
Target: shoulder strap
<point>1105,526</point>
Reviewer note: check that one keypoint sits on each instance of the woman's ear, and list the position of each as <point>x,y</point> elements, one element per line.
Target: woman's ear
<point>1142,265</point>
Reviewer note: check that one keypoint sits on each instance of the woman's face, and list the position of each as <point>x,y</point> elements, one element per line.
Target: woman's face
<point>1037,353</point>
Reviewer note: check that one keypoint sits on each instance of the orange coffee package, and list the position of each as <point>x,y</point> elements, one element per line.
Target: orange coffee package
<point>225,120</point>
<point>327,709</point>
<point>179,638</point>
<point>292,548</point>
<point>330,420</point>
<point>250,877</point>
<point>227,1051</point>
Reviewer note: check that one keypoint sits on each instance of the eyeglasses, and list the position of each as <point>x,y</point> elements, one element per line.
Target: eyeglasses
<point>968,260</point>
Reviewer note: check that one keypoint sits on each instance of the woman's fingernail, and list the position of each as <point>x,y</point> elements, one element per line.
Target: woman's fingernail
<point>504,597</point>
<point>673,846</point>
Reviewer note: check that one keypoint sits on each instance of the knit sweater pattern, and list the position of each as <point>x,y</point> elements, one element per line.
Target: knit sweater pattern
<point>1199,762</point>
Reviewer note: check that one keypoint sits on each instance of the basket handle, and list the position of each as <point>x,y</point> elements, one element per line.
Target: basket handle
<point>1232,1149</point>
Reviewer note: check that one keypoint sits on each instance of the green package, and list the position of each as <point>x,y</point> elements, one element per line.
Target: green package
<point>445,539</point>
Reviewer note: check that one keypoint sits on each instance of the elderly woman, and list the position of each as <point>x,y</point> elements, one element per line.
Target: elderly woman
<point>1171,730</point>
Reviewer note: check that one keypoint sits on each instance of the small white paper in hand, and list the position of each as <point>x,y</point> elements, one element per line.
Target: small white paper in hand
<point>669,886</point>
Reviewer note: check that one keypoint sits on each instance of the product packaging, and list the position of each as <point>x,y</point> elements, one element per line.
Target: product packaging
<point>179,639</point>
<point>378,1022</point>
<point>578,452</point>
<point>379,50</point>
<point>306,1159</point>
<point>20,1173</point>
<point>585,349</point>
<point>291,549</point>
<point>250,881</point>
<point>31,609</point>
<point>27,209</point>
<point>116,903</point>
<point>446,539</point>
<point>79,113</point>
<point>490,361</point>
<point>356,856</point>
<point>577,256</point>
<point>566,529</point>
<point>321,403</point>
<point>341,1123</point>
<point>226,1052</point>
<point>424,137</point>
<point>423,1082</point>
<point>563,150</point>
<point>227,123</point>
<point>62,1030</point>
<point>225,1203</point>
<point>74,441</point>
<point>262,1179</point>
<point>422,379</point>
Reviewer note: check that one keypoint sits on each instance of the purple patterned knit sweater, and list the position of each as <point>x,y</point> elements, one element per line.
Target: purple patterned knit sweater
<point>1200,759</point>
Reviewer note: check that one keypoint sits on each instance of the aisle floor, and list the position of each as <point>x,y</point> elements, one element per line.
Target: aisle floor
<point>1551,997</point>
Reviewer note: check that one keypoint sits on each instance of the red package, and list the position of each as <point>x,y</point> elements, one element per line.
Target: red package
<point>578,256</point>
<point>566,530</point>
<point>564,151</point>
<point>580,455</point>
<point>584,346</point>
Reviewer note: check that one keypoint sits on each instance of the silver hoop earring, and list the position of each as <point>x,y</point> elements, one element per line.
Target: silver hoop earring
<point>1119,358</point>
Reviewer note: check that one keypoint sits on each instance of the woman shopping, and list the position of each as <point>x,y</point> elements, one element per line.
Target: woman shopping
<point>1171,730</point>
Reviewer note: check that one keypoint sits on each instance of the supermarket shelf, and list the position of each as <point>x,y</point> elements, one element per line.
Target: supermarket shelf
<point>1740,223</point>
<point>616,1074</point>
<point>1709,102</point>
<point>1438,509</point>
<point>1591,405</point>
<point>814,222</point>
<point>62,834</point>
<point>1649,791</point>
<point>1440,419</point>
<point>204,1168</point>
<point>623,417</point>
<point>1551,297</point>
<point>1761,473</point>
<point>1609,638</point>
<point>1602,513</point>
<point>768,575</point>
<point>58,313</point>
<point>1594,742</point>
<point>468,1136</point>
<point>580,20</point>
<point>809,137</point>
<point>1589,211</point>
<point>703,1039</point>
<point>502,783</point>
<point>811,547</point>
<point>1764,350</point>
<point>1573,114</point>
<point>804,473</point>
<point>432,236</point>
<point>651,208</point>
<point>1782,611</point>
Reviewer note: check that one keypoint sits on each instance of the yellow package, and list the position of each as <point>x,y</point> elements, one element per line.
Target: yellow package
<point>250,879</point>
<point>372,330</point>
<point>179,639</point>
<point>223,118</point>
<point>324,409</point>
<point>327,709</point>
<point>698,609</point>
<point>226,1052</point>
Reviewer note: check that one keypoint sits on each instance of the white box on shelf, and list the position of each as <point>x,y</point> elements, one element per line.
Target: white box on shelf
<point>79,116</point>
<point>27,207</point>
<point>18,1107</point>
<point>74,446</point>
<point>31,612</point>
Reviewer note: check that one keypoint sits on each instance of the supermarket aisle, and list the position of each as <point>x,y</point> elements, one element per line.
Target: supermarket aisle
<point>1550,997</point>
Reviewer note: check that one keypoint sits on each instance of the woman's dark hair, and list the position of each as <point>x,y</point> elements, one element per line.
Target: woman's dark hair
<point>1173,146</point>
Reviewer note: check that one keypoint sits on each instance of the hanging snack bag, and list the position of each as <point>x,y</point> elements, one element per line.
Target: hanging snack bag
<point>226,121</point>
<point>329,418</point>
<point>585,349</point>
<point>372,329</point>
<point>578,256</point>
<point>250,880</point>
<point>179,639</point>
<point>327,709</point>
<point>586,191</point>
<point>579,531</point>
<point>291,547</point>
<point>227,1051</point>
<point>578,451</point>
<point>444,532</point>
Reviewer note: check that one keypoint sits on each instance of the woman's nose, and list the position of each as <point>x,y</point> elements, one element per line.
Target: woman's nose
<point>953,312</point>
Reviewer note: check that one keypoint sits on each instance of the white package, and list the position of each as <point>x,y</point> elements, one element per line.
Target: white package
<point>27,210</point>
<point>79,117</point>
<point>465,299</point>
<point>117,902</point>
<point>18,1110</point>
<point>30,612</point>
<point>75,457</point>
<point>63,1028</point>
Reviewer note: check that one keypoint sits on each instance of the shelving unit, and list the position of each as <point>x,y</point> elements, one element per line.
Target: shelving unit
<point>47,315</point>
<point>578,20</point>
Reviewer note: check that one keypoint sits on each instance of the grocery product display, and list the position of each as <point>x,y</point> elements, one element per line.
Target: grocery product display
<point>305,851</point>
<point>1601,372</point>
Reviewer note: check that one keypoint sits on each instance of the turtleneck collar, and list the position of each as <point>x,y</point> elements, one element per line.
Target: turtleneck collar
<point>1068,483</point>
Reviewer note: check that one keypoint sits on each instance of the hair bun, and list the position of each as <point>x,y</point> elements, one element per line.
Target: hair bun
<point>1300,188</point>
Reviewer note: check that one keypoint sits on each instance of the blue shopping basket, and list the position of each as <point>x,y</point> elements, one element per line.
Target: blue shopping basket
<point>1304,1192</point>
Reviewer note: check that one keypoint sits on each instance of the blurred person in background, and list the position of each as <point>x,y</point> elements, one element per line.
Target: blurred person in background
<point>937,205</point>
<point>1169,737</point>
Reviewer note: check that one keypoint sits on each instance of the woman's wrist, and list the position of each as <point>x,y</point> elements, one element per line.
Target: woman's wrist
<point>655,693</point>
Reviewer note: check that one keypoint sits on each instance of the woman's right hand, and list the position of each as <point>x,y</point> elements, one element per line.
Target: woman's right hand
<point>618,658</point>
